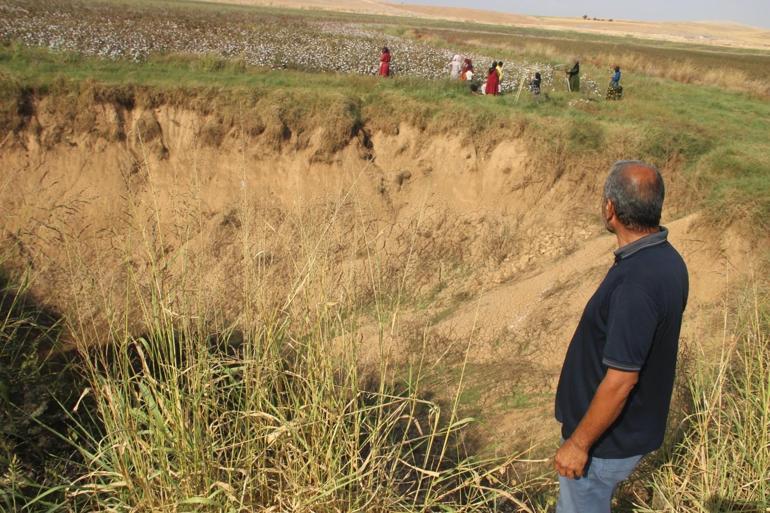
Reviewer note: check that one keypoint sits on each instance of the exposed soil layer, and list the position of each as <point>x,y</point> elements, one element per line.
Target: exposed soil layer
<point>454,244</point>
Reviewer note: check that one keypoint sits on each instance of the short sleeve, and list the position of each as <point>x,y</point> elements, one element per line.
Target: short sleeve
<point>631,326</point>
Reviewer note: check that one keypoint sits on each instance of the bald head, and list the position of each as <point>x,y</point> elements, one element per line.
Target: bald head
<point>636,191</point>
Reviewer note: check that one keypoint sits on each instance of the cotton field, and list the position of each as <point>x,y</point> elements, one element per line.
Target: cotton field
<point>263,39</point>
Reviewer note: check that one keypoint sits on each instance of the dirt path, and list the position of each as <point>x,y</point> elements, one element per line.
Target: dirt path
<point>516,333</point>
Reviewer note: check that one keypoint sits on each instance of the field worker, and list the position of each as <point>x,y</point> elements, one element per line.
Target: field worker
<point>615,81</point>
<point>499,69</point>
<point>467,71</point>
<point>615,90</point>
<point>454,67</point>
<point>493,82</point>
<point>534,85</point>
<point>615,386</point>
<point>573,77</point>
<point>385,62</point>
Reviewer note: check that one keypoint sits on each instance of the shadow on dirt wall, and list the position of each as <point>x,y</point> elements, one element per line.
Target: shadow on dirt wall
<point>39,386</point>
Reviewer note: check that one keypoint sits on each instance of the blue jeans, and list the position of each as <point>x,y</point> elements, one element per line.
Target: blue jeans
<point>592,493</point>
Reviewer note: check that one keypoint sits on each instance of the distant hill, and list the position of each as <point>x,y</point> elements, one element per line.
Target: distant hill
<point>708,33</point>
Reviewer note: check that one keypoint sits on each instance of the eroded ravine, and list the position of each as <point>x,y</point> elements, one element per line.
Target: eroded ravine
<point>459,247</point>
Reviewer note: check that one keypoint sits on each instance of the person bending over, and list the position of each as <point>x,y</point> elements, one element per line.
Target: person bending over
<point>573,77</point>
<point>534,85</point>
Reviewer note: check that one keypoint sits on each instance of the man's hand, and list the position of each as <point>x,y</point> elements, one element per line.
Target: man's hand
<point>571,459</point>
<point>605,407</point>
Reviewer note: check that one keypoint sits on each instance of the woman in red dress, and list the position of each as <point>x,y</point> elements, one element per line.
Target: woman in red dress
<point>385,62</point>
<point>492,80</point>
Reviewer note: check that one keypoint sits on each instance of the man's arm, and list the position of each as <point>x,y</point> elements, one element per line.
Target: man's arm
<point>605,407</point>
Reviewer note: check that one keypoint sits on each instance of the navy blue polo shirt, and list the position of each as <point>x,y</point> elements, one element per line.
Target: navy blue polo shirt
<point>631,323</point>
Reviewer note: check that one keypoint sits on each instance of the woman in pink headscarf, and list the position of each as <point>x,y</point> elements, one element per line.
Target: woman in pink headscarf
<point>385,62</point>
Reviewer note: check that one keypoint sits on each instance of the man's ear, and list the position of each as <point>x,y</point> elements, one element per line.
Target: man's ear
<point>609,210</point>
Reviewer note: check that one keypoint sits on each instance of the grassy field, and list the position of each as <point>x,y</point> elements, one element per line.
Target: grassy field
<point>634,54</point>
<point>201,413</point>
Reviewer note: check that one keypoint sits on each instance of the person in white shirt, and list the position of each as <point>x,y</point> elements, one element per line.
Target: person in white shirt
<point>454,67</point>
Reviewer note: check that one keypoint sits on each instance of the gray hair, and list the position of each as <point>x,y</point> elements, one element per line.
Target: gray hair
<point>638,203</point>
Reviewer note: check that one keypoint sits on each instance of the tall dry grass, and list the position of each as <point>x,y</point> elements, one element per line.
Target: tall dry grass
<point>722,461</point>
<point>271,418</point>
<point>684,71</point>
<point>198,407</point>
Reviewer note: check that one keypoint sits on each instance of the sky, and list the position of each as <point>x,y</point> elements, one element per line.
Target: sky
<point>750,12</point>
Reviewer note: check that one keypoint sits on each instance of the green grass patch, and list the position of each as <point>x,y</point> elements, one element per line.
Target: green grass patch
<point>585,136</point>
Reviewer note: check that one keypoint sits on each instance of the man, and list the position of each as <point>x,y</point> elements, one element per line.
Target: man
<point>615,90</point>
<point>615,386</point>
<point>573,77</point>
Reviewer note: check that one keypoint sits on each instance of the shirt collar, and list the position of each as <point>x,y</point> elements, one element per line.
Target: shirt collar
<point>653,239</point>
